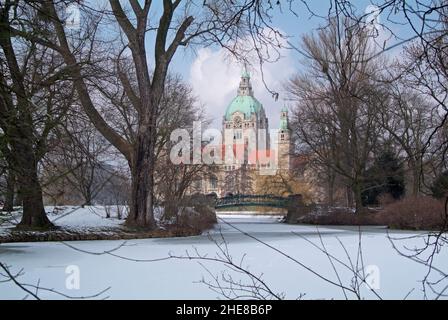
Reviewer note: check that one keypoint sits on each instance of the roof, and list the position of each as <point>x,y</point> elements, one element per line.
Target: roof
<point>245,74</point>
<point>244,104</point>
<point>284,124</point>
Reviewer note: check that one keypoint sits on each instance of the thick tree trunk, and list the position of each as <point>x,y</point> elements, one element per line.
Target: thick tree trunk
<point>22,139</point>
<point>141,213</point>
<point>9,194</point>
<point>34,216</point>
<point>30,191</point>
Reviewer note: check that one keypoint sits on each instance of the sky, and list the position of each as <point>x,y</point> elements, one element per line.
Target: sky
<point>215,79</point>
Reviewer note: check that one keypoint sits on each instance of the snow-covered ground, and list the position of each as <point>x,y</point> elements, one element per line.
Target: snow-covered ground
<point>89,217</point>
<point>56,265</point>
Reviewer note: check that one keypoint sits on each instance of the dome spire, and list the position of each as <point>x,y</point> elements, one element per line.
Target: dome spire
<point>245,73</point>
<point>245,88</point>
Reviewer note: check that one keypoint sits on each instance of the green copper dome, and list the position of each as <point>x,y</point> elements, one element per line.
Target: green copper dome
<point>244,104</point>
<point>283,124</point>
<point>284,120</point>
<point>245,74</point>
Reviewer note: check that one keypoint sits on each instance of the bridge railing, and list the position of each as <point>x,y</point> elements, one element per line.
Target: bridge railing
<point>253,200</point>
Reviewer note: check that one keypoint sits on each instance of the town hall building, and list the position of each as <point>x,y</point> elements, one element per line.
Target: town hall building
<point>248,149</point>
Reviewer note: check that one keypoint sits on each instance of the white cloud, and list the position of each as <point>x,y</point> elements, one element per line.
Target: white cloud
<point>382,37</point>
<point>215,78</point>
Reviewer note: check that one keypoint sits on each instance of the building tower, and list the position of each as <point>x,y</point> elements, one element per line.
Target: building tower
<point>244,118</point>
<point>284,141</point>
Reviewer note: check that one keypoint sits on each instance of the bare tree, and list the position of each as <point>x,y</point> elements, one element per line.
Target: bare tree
<point>180,23</point>
<point>9,191</point>
<point>78,161</point>
<point>283,184</point>
<point>239,180</point>
<point>33,99</point>
<point>336,102</point>
<point>179,108</point>
<point>409,120</point>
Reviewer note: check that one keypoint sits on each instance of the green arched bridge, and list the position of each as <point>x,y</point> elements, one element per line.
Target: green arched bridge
<point>253,200</point>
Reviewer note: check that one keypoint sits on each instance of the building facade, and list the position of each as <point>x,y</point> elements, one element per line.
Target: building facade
<point>246,149</point>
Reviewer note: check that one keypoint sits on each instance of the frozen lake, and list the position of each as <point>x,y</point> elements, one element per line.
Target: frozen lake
<point>52,263</point>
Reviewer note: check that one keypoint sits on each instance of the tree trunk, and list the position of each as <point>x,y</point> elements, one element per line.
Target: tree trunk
<point>330,189</point>
<point>30,191</point>
<point>18,202</point>
<point>349,196</point>
<point>9,195</point>
<point>415,178</point>
<point>142,168</point>
<point>22,139</point>
<point>34,215</point>
<point>357,197</point>
<point>87,199</point>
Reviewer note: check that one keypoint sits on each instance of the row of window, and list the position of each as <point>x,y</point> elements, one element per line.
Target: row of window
<point>238,126</point>
<point>246,124</point>
<point>251,166</point>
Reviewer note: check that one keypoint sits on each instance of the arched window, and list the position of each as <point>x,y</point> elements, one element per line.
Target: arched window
<point>213,182</point>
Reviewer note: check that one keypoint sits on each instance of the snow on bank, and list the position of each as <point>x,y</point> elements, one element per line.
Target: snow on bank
<point>178,278</point>
<point>89,217</point>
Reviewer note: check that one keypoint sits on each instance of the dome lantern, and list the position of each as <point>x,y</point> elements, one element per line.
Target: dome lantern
<point>244,102</point>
